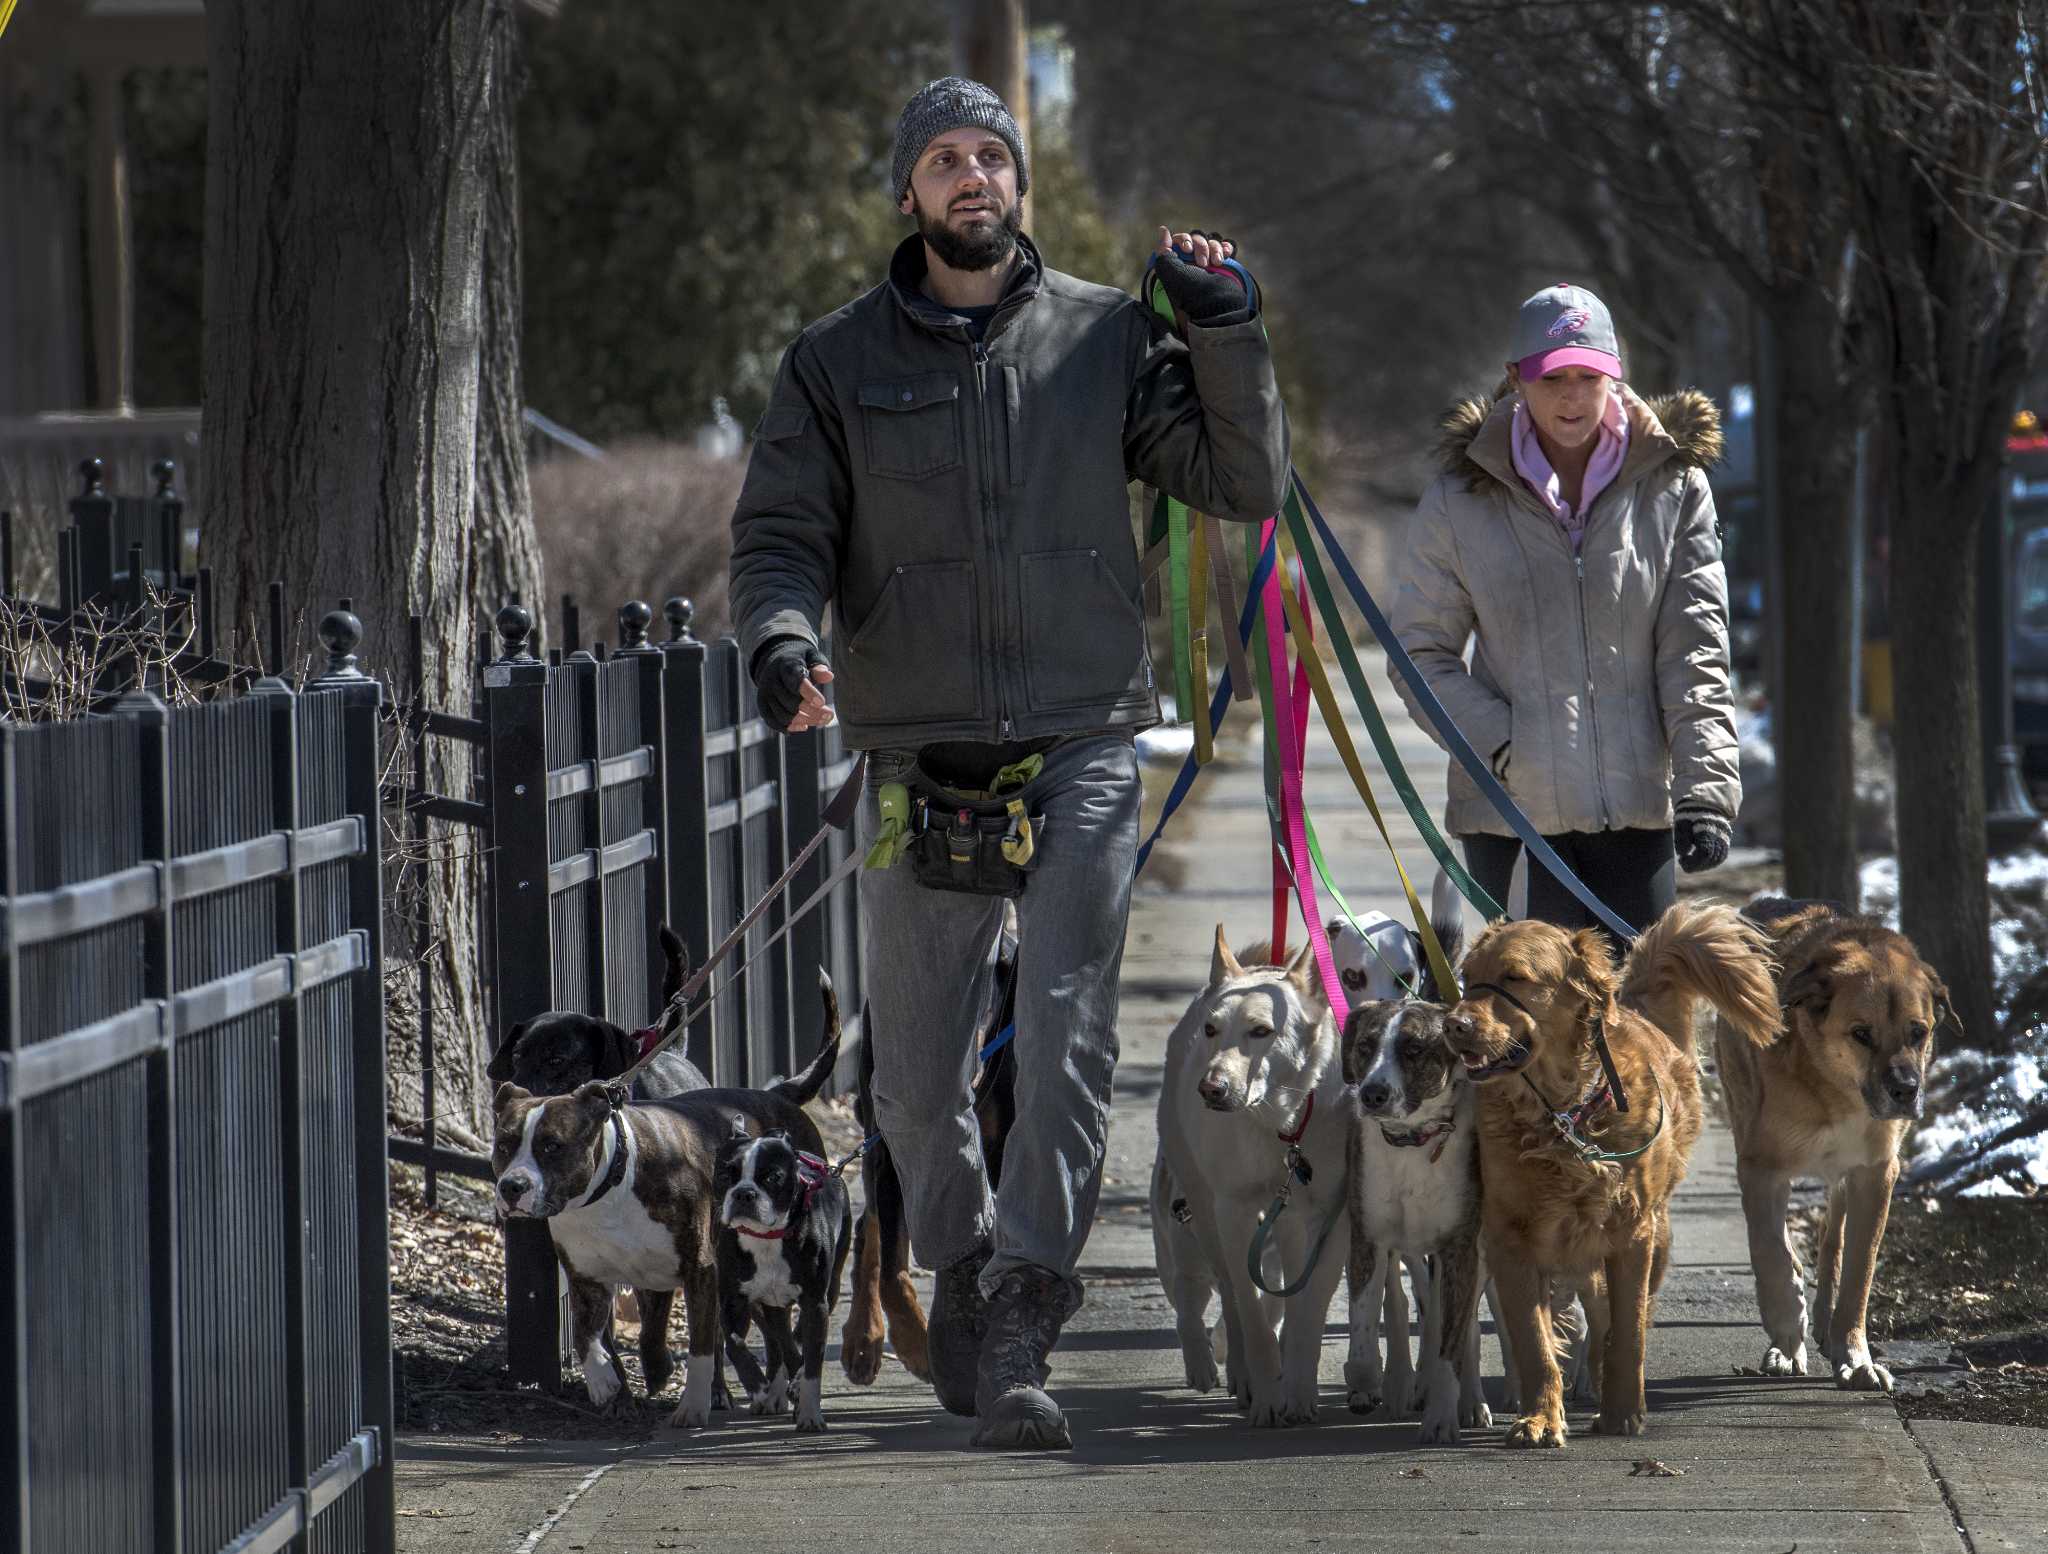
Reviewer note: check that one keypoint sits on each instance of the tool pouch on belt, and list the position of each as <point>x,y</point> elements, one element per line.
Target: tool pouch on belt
<point>986,847</point>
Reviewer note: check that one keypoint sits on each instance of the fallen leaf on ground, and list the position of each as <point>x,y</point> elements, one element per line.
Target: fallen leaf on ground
<point>1413,1473</point>
<point>1650,1467</point>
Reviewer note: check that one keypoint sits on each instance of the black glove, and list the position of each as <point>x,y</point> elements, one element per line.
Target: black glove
<point>1702,839</point>
<point>1203,297</point>
<point>780,670</point>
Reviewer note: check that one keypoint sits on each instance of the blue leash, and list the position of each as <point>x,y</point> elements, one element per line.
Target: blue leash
<point>1460,748</point>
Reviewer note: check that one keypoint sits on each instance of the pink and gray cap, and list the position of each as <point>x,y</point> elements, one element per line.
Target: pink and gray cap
<point>1565,326</point>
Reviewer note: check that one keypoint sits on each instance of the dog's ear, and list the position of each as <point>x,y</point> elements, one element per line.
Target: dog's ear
<point>500,1066</point>
<point>1812,988</point>
<point>1222,964</point>
<point>1944,1008</point>
<point>738,1130</point>
<point>1301,972</point>
<point>594,1095</point>
<point>1591,972</point>
<point>619,1049</point>
<point>1347,1048</point>
<point>508,1094</point>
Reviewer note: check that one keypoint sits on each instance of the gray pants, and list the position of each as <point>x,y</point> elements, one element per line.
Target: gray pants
<point>925,965</point>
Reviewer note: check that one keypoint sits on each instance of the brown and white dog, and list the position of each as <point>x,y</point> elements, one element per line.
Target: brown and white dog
<point>627,1191</point>
<point>1832,1099</point>
<point>1574,1185</point>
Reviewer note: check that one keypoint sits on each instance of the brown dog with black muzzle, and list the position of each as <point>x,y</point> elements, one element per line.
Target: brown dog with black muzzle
<point>1832,1099</point>
<point>1575,1185</point>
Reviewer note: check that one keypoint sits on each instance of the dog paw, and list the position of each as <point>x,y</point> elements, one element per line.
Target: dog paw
<point>601,1378</point>
<point>1777,1362</point>
<point>860,1355</point>
<point>810,1421</point>
<point>912,1349</point>
<point>1621,1424</point>
<point>1475,1415</point>
<point>1201,1372</point>
<point>688,1417</point>
<point>1533,1430</point>
<point>1440,1424</point>
<point>1364,1389</point>
<point>1403,1395</point>
<point>1862,1374</point>
<point>1418,1396</point>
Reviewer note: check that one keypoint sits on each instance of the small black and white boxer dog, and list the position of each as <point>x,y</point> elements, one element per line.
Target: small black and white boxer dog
<point>785,1224</point>
<point>627,1192</point>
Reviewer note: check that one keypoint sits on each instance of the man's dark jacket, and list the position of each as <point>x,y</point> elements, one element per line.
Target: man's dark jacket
<point>965,506</point>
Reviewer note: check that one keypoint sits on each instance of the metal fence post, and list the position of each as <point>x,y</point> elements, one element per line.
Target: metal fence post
<point>634,619</point>
<point>167,1449</point>
<point>768,1045</point>
<point>684,802</point>
<point>585,671</point>
<point>515,718</point>
<point>362,725</point>
<point>290,940</point>
<point>14,1509</point>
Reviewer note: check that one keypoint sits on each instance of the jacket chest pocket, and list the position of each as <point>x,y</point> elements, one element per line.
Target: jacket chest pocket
<point>911,425</point>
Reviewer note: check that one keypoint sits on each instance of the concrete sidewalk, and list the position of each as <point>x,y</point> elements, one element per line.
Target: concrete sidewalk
<point>1766,1466</point>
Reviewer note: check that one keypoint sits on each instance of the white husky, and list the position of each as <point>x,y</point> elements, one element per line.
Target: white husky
<point>1254,1080</point>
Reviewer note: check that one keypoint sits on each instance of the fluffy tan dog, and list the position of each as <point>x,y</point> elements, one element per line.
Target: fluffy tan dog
<point>1574,1185</point>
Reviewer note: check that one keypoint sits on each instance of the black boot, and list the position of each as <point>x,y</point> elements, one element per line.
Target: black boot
<point>1024,1320</point>
<point>958,1321</point>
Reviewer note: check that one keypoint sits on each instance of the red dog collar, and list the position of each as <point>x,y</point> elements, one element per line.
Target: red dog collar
<point>814,1173</point>
<point>649,1037</point>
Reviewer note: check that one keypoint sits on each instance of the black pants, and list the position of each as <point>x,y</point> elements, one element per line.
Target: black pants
<point>1634,872</point>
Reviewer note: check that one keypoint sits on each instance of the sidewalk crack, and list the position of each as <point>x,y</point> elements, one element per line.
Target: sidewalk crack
<point>1947,1498</point>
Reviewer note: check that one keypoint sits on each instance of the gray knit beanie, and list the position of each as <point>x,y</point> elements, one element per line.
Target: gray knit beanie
<point>947,104</point>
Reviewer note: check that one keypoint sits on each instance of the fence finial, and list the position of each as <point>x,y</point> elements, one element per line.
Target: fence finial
<point>340,631</point>
<point>165,473</point>
<point>92,472</point>
<point>515,625</point>
<point>680,613</point>
<point>634,619</point>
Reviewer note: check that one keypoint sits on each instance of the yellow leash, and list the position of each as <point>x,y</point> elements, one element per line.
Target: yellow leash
<point>1340,735</point>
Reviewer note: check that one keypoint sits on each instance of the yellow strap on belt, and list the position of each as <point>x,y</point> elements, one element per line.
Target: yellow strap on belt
<point>1019,844</point>
<point>1340,735</point>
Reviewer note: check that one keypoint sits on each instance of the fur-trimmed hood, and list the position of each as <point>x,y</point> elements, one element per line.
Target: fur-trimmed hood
<point>1682,428</point>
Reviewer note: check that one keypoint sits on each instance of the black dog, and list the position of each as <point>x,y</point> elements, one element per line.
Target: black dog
<point>881,1259</point>
<point>784,1224</point>
<point>559,1052</point>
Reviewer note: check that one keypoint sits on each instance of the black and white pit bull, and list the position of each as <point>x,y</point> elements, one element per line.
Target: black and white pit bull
<point>785,1224</point>
<point>1414,1190</point>
<point>627,1191</point>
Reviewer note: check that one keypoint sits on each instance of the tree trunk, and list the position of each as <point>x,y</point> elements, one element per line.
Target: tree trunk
<point>1944,906</point>
<point>349,174</point>
<point>1813,723</point>
<point>989,46</point>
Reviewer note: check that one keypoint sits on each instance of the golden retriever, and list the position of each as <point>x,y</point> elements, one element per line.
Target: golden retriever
<point>1575,1186</point>
<point>1832,1099</point>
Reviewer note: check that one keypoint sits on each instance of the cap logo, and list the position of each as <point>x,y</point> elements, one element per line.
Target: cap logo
<point>1569,322</point>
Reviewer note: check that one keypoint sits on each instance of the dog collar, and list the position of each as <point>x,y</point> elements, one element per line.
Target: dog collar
<point>1301,1127</point>
<point>649,1037</point>
<point>814,1173</point>
<point>1570,1122</point>
<point>1438,1132</point>
<point>615,1173</point>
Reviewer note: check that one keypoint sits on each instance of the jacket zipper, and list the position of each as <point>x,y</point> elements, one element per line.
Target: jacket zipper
<point>988,529</point>
<point>1592,703</point>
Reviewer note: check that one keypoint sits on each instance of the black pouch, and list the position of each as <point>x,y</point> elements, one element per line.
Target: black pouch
<point>984,847</point>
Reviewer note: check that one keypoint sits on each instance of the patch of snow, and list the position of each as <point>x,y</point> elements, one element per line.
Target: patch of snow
<point>1166,744</point>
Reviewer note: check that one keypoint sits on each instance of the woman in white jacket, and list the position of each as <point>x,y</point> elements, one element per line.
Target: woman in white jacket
<point>1571,539</point>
